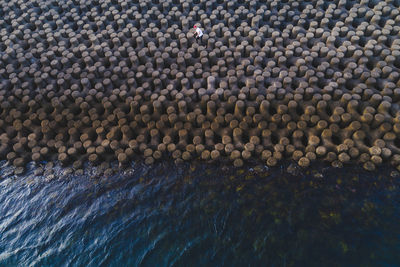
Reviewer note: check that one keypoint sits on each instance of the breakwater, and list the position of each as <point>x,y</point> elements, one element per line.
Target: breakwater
<point>111,80</point>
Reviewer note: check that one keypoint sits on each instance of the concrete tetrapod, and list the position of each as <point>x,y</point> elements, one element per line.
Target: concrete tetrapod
<point>110,81</point>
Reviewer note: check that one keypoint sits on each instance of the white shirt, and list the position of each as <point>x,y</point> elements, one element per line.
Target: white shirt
<point>199,32</point>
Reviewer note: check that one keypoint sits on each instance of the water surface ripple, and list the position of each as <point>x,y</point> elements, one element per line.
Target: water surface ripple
<point>201,215</point>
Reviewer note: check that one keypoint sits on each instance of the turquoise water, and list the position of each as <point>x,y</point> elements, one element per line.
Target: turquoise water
<point>201,215</point>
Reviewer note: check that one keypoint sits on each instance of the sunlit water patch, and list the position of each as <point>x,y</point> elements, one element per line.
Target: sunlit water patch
<point>201,214</point>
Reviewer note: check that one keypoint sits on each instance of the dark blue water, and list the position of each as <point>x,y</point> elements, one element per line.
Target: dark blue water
<point>201,215</point>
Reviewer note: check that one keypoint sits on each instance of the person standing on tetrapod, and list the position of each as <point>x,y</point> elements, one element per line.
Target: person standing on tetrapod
<point>198,34</point>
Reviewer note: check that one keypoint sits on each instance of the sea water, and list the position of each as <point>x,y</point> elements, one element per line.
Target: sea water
<point>201,214</point>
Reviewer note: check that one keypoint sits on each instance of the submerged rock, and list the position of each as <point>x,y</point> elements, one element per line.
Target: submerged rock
<point>38,171</point>
<point>293,169</point>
